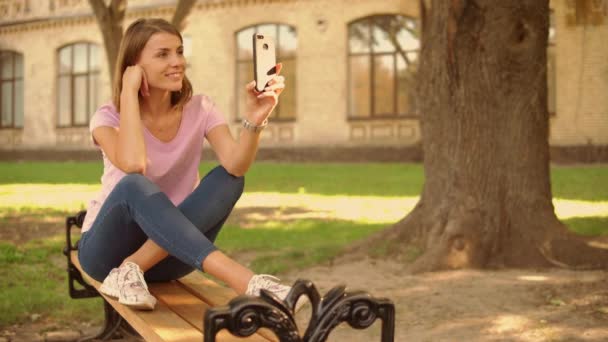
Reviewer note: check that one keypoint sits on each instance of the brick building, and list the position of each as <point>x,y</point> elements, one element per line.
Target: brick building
<point>344,89</point>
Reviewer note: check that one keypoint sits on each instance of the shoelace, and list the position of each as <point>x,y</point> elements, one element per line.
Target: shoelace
<point>267,282</point>
<point>135,277</point>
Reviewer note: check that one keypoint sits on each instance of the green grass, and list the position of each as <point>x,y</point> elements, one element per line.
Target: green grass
<point>589,183</point>
<point>590,226</point>
<point>33,280</point>
<point>51,172</point>
<point>326,178</point>
<point>294,245</point>
<point>33,276</point>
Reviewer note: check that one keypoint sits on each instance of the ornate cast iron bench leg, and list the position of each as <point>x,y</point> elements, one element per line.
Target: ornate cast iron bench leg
<point>244,315</point>
<point>114,325</point>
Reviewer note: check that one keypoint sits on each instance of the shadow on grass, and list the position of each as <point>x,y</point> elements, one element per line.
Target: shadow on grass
<point>25,224</point>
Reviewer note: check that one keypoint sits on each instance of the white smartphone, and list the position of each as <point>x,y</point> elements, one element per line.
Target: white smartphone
<point>264,60</point>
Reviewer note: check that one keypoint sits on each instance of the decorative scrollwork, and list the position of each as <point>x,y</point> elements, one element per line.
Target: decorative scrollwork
<point>247,322</point>
<point>362,315</point>
<point>244,315</point>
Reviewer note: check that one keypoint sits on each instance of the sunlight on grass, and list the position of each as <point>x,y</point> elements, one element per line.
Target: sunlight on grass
<point>573,208</point>
<point>364,209</point>
<point>65,197</point>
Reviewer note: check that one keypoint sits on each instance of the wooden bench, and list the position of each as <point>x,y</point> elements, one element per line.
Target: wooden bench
<point>195,308</point>
<point>178,315</point>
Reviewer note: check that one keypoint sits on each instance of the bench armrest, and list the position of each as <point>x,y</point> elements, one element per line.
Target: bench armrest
<point>244,315</point>
<point>74,275</point>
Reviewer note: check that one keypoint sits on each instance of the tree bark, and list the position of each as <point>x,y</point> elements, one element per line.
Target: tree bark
<point>182,11</point>
<point>110,20</point>
<point>482,97</point>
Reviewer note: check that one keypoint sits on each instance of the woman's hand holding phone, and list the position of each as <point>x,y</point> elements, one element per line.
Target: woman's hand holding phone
<point>134,79</point>
<point>259,105</point>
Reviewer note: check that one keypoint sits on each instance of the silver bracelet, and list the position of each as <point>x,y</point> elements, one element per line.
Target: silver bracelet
<point>253,128</point>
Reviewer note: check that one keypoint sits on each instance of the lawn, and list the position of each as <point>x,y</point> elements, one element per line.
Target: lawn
<point>291,216</point>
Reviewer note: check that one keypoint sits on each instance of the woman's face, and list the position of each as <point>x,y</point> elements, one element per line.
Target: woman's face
<point>163,61</point>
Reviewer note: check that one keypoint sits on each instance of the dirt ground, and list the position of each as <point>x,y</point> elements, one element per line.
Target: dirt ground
<point>474,305</point>
<point>466,305</point>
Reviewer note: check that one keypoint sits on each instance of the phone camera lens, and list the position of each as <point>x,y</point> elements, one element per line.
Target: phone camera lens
<point>260,36</point>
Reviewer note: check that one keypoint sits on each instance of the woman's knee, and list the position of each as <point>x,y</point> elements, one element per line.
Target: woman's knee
<point>133,183</point>
<point>228,182</point>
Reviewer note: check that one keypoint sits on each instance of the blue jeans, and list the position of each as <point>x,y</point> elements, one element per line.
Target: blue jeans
<point>137,210</point>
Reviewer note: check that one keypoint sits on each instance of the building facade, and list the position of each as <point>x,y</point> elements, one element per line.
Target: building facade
<point>349,66</point>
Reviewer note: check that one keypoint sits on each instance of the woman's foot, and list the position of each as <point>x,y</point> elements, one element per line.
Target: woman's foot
<point>273,285</point>
<point>128,285</point>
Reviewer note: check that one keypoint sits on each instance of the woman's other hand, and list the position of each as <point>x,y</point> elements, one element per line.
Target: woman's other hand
<point>259,106</point>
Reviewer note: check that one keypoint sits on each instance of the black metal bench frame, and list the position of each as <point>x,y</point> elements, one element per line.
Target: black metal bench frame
<point>244,315</point>
<point>114,326</point>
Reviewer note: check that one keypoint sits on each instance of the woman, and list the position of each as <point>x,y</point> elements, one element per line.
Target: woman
<point>153,216</point>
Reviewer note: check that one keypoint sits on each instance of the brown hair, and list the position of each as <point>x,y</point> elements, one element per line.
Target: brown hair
<point>133,42</point>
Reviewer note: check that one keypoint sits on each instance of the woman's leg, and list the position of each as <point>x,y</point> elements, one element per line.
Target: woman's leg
<point>133,212</point>
<point>207,207</point>
<point>137,209</point>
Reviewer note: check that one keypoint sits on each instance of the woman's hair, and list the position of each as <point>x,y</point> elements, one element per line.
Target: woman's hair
<point>133,42</point>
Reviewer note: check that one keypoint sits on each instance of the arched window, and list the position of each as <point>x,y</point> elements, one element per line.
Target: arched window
<point>11,89</point>
<point>286,40</point>
<point>77,84</point>
<point>382,62</point>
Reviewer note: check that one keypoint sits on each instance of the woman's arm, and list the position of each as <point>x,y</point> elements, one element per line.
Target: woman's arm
<point>237,156</point>
<point>125,145</point>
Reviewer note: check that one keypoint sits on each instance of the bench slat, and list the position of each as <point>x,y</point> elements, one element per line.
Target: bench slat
<point>178,315</point>
<point>162,324</point>
<point>206,289</point>
<point>191,309</point>
<point>215,295</point>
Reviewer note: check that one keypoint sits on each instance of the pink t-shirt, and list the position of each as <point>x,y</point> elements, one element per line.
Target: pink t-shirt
<point>173,165</point>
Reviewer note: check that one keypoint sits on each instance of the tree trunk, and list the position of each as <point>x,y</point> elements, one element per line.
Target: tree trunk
<point>182,11</point>
<point>110,21</point>
<point>482,97</point>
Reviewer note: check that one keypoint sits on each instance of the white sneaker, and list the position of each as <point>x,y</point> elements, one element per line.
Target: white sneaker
<point>128,285</point>
<point>110,287</point>
<point>273,285</point>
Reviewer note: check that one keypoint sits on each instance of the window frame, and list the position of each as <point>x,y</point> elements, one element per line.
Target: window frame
<point>371,54</point>
<point>13,80</point>
<point>275,117</point>
<point>72,76</point>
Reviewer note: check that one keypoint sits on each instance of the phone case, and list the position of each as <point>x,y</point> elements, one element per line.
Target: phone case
<point>264,60</point>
